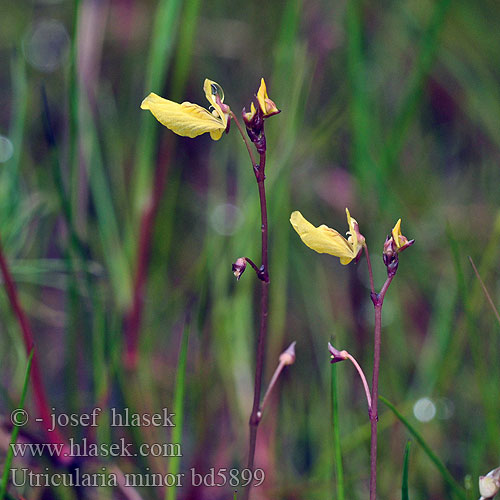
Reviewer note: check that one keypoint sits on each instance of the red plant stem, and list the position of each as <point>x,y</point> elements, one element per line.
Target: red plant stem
<point>370,271</point>
<point>253,265</point>
<point>256,415</point>
<point>134,314</point>
<point>378,300</point>
<point>263,275</point>
<point>244,137</point>
<point>40,397</point>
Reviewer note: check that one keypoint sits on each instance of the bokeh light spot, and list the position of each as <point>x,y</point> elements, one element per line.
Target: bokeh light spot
<point>46,45</point>
<point>6,149</point>
<point>226,218</point>
<point>424,410</point>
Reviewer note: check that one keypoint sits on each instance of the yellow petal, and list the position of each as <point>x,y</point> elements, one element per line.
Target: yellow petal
<point>186,119</point>
<point>262,95</point>
<point>396,233</point>
<point>322,239</point>
<point>353,235</point>
<point>248,116</point>
<point>266,105</point>
<point>212,90</point>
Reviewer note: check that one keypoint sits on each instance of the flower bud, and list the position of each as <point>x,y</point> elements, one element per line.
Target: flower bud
<point>239,267</point>
<point>287,357</point>
<point>394,244</point>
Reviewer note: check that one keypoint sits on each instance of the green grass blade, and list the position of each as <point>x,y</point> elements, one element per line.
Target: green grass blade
<point>428,48</point>
<point>10,187</point>
<point>162,43</point>
<point>15,431</point>
<point>339,471</point>
<point>360,114</point>
<point>454,485</point>
<point>184,51</point>
<point>107,220</point>
<point>404,487</point>
<point>179,391</point>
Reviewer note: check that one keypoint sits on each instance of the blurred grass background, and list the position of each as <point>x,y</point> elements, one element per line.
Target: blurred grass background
<point>390,109</point>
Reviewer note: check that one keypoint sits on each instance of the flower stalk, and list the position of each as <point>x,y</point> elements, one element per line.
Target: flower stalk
<point>254,121</point>
<point>378,301</point>
<point>191,120</point>
<point>287,357</point>
<point>395,243</point>
<point>323,239</point>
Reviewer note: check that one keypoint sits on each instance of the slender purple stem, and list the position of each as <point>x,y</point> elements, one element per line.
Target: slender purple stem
<point>263,275</point>
<point>378,300</point>
<point>370,272</point>
<point>245,140</point>
<point>264,306</point>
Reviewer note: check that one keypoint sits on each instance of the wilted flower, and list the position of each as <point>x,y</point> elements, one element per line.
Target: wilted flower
<point>323,239</point>
<point>239,267</point>
<point>191,120</point>
<point>337,355</point>
<point>489,485</point>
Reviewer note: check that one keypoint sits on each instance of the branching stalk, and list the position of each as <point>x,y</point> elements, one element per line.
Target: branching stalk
<point>255,416</point>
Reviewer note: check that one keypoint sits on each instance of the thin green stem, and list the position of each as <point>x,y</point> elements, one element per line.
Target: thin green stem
<point>485,290</point>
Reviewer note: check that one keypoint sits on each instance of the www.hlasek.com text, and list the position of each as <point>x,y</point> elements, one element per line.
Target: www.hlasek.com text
<point>86,448</point>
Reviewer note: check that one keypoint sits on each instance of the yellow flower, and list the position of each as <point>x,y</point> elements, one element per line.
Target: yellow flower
<point>249,115</point>
<point>191,120</point>
<point>399,240</point>
<point>266,105</point>
<point>323,239</point>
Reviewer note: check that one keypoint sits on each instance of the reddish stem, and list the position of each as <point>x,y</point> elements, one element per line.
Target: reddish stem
<point>134,314</point>
<point>256,415</point>
<point>378,300</point>
<point>370,271</point>
<point>361,374</point>
<point>40,397</point>
<point>263,275</point>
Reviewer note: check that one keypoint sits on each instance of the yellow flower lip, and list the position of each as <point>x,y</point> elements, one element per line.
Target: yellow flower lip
<point>401,242</point>
<point>266,105</point>
<point>248,116</point>
<point>188,119</point>
<point>323,239</point>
